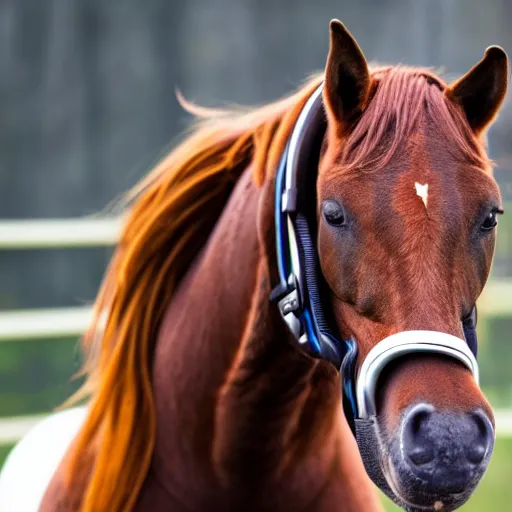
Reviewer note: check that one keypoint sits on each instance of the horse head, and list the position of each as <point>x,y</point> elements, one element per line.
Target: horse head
<point>406,215</point>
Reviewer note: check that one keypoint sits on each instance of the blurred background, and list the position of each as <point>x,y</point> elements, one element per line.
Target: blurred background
<point>87,107</point>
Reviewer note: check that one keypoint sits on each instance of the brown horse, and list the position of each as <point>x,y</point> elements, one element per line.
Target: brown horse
<point>200,398</point>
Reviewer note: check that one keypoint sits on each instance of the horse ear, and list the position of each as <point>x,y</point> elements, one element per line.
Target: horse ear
<point>480,92</point>
<point>347,77</point>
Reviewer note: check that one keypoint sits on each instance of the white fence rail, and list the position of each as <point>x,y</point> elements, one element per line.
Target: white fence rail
<point>13,429</point>
<point>44,323</point>
<point>59,233</point>
<point>69,322</point>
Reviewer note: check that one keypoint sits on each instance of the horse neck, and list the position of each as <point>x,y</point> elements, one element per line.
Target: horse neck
<point>237,405</point>
<point>200,335</point>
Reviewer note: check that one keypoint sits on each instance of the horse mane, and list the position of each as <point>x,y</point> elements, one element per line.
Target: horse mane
<point>164,230</point>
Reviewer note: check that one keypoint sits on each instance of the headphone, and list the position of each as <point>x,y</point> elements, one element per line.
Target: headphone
<point>301,283</point>
<point>302,286</point>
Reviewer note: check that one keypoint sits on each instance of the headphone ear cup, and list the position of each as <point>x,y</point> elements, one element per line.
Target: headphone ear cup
<point>295,202</point>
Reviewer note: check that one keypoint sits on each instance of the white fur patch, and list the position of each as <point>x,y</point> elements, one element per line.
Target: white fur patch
<point>422,191</point>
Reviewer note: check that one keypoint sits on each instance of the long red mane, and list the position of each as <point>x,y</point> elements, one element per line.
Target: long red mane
<point>163,233</point>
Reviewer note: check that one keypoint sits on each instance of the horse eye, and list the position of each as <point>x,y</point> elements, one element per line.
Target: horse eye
<point>333,213</point>
<point>490,222</point>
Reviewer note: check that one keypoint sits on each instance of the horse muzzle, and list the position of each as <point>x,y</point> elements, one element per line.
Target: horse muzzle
<point>437,458</point>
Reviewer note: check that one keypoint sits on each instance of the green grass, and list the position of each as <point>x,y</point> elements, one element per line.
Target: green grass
<point>36,375</point>
<point>495,490</point>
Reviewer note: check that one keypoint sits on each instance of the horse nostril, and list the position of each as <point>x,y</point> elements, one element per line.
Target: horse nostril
<point>476,453</point>
<point>421,455</point>
<point>483,438</point>
<point>415,435</point>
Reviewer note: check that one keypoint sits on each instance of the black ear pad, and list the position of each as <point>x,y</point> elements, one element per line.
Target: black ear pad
<point>320,335</point>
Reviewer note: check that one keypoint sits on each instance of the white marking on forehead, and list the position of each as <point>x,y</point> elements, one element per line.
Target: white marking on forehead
<point>438,505</point>
<point>422,191</point>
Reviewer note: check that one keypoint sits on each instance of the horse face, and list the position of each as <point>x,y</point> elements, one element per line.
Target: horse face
<point>395,266</point>
<point>407,211</point>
